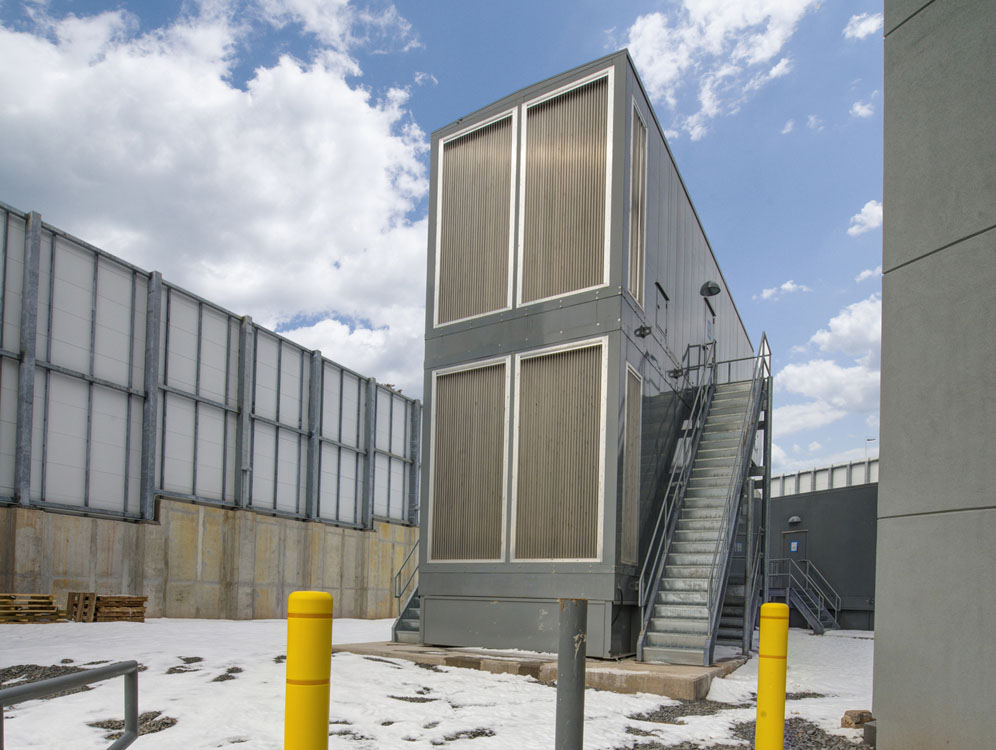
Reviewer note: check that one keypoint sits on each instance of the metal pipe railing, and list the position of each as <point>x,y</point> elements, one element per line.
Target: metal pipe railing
<point>801,580</point>
<point>44,688</point>
<point>399,588</point>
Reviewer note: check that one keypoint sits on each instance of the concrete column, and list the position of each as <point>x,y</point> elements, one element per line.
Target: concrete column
<point>314,430</point>
<point>150,409</point>
<point>243,424</point>
<point>26,368</point>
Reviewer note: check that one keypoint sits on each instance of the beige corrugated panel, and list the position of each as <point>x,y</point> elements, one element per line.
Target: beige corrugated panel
<point>638,208</point>
<point>474,228</point>
<point>468,464</point>
<point>564,212</point>
<point>558,455</point>
<point>631,469</point>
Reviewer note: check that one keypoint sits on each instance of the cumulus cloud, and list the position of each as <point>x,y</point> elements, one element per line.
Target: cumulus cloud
<point>788,287</point>
<point>289,196</point>
<point>867,219</point>
<point>856,331</point>
<point>796,417</point>
<point>718,53</point>
<point>862,25</point>
<point>868,273</point>
<point>789,127</point>
<point>814,122</point>
<point>862,109</point>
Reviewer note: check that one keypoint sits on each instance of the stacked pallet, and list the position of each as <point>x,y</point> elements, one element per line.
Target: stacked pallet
<point>81,606</point>
<point>120,609</point>
<point>29,608</point>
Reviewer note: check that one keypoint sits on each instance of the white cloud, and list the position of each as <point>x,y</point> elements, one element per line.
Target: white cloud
<point>835,388</point>
<point>862,109</point>
<point>814,447</point>
<point>421,79</point>
<point>814,122</point>
<point>290,198</point>
<point>856,331</point>
<point>789,127</point>
<point>868,273</point>
<point>796,417</point>
<point>722,50</point>
<point>867,219</point>
<point>788,287</point>
<point>862,25</point>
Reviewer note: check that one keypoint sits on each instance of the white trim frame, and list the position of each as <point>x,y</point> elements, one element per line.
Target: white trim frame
<point>430,504</point>
<point>626,449</point>
<point>600,341</point>
<point>609,74</point>
<point>514,113</point>
<point>641,299</point>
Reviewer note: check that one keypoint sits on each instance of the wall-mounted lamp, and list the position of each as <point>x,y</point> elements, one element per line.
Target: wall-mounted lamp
<point>710,289</point>
<point>794,520</point>
<point>642,331</point>
<point>675,373</point>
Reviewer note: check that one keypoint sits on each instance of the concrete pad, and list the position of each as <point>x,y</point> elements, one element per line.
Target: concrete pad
<point>624,676</point>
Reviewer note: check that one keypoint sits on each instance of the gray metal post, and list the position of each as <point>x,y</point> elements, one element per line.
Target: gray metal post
<point>413,469</point>
<point>26,368</point>
<point>150,409</point>
<point>571,651</point>
<point>314,429</point>
<point>370,446</point>
<point>243,424</point>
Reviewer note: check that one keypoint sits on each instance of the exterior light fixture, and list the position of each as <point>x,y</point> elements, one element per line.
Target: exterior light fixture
<point>794,520</point>
<point>710,289</point>
<point>642,331</point>
<point>677,373</point>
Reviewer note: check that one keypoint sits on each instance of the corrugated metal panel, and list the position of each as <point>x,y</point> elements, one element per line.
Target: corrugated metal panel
<point>563,242</point>
<point>637,207</point>
<point>71,306</point>
<point>13,276</point>
<point>468,478</point>
<point>66,437</point>
<point>8,424</point>
<point>558,452</point>
<point>107,449</point>
<point>112,333</point>
<point>629,551</point>
<point>474,224</point>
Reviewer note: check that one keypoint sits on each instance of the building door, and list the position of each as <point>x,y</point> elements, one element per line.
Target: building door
<point>794,545</point>
<point>710,321</point>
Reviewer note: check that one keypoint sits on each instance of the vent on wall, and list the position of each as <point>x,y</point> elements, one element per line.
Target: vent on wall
<point>558,455</point>
<point>563,223</point>
<point>631,468</point>
<point>468,466</point>
<point>474,219</point>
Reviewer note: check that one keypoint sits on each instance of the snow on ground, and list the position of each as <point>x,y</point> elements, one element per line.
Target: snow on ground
<point>372,699</point>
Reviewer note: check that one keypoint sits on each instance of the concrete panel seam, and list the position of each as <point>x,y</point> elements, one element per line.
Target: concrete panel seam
<point>974,508</point>
<point>967,237</point>
<point>909,17</point>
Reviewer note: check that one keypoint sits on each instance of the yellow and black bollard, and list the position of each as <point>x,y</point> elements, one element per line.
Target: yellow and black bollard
<point>771,668</point>
<point>309,666</point>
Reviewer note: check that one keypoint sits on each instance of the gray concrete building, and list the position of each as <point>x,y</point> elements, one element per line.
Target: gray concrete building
<point>935,649</point>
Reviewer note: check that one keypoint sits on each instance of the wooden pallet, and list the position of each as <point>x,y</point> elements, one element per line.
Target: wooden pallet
<point>120,608</point>
<point>81,606</point>
<point>25,608</point>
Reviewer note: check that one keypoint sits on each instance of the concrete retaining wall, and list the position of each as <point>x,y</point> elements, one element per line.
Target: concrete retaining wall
<point>203,561</point>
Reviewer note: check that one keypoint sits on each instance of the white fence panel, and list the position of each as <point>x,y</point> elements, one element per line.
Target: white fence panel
<point>65,438</point>
<point>108,449</point>
<point>214,354</point>
<point>113,330</point>
<point>8,424</point>
<point>210,452</point>
<point>72,303</point>
<point>178,444</point>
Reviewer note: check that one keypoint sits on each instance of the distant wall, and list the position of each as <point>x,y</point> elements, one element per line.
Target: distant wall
<point>203,561</point>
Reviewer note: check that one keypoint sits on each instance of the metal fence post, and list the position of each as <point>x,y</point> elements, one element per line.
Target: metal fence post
<point>26,367</point>
<point>370,445</point>
<point>571,652</point>
<point>243,423</point>
<point>314,430</point>
<point>150,384</point>
<point>413,470</point>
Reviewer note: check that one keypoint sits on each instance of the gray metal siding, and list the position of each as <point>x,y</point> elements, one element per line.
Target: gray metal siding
<point>468,481</point>
<point>563,243</point>
<point>558,455</point>
<point>631,469</point>
<point>474,227</point>
<point>638,207</point>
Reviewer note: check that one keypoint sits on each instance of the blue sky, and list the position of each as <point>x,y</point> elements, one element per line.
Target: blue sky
<point>268,154</point>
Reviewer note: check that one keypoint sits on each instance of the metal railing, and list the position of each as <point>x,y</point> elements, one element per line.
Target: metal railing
<point>751,602</point>
<point>410,583</point>
<point>667,516</point>
<point>44,688</point>
<point>812,586</point>
<point>727,529</point>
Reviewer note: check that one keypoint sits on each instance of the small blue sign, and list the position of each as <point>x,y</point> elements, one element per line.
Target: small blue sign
<point>793,546</point>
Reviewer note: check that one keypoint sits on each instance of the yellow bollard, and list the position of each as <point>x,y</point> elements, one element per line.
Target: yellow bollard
<point>771,667</point>
<point>309,666</point>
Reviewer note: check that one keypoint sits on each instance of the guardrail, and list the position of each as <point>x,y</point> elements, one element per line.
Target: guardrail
<point>402,586</point>
<point>44,688</point>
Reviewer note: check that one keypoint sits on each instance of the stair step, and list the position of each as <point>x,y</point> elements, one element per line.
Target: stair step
<point>737,386</point>
<point>681,597</point>
<point>678,626</point>
<point>731,622</point>
<point>700,514</point>
<point>731,610</point>
<point>736,589</point>
<point>690,558</point>
<point>691,547</point>
<point>695,536</point>
<point>676,572</point>
<point>690,656</point>
<point>698,524</point>
<point>730,634</point>
<point>719,482</point>
<point>705,499</point>
<point>407,636</point>
<point>685,584</point>
<point>675,640</point>
<point>681,611</point>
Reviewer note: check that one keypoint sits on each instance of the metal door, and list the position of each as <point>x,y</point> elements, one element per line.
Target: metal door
<point>794,545</point>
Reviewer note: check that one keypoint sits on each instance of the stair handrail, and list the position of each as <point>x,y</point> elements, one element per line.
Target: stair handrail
<point>820,582</point>
<point>750,591</point>
<point>761,373</point>
<point>660,540</point>
<point>399,588</point>
<point>797,579</point>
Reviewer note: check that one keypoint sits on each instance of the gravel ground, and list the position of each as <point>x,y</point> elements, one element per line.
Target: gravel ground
<point>799,735</point>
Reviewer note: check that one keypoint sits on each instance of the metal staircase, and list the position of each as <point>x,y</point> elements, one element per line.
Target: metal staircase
<point>801,585</point>
<point>408,627</point>
<point>686,584</point>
